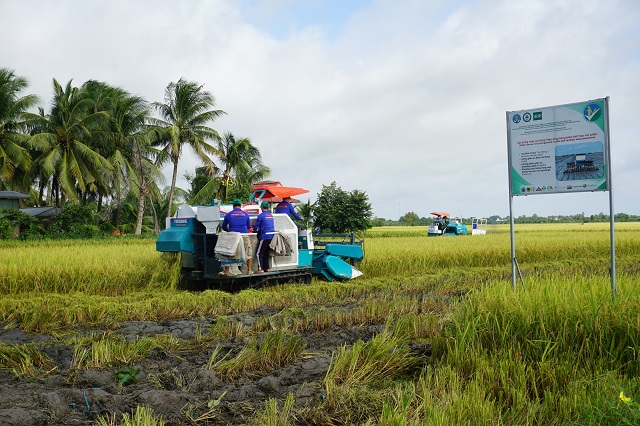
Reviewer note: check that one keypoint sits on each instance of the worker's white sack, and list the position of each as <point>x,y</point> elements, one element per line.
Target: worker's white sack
<point>227,244</point>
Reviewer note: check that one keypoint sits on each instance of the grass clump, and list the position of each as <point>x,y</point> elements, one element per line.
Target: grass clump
<point>105,350</point>
<point>25,360</point>
<point>262,354</point>
<point>275,414</point>
<point>142,416</point>
<point>360,377</point>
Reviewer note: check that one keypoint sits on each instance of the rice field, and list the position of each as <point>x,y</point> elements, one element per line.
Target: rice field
<point>433,333</point>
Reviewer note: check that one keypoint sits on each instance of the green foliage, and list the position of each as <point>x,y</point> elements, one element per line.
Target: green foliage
<point>411,219</point>
<point>339,211</point>
<point>76,221</point>
<point>579,217</point>
<point>240,166</point>
<point>306,211</point>
<point>29,227</point>
<point>378,221</point>
<point>198,181</point>
<point>14,157</point>
<point>127,377</point>
<point>241,189</point>
<point>107,227</point>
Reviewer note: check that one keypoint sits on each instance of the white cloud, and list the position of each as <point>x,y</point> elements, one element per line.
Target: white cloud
<point>402,99</point>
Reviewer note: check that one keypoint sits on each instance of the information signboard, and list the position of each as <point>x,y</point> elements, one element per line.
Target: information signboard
<point>557,149</point>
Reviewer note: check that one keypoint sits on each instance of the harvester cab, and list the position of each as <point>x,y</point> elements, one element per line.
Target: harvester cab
<point>195,233</point>
<point>439,224</point>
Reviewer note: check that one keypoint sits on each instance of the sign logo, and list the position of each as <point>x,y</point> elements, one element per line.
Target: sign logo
<point>592,112</point>
<point>516,118</point>
<point>526,117</point>
<point>537,115</point>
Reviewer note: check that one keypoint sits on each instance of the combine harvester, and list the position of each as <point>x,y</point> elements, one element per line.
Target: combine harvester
<point>194,232</point>
<point>443,225</point>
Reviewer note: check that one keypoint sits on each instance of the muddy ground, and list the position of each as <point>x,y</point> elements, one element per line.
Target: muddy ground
<point>174,385</point>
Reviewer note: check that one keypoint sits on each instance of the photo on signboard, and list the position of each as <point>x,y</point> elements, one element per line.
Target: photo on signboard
<point>580,161</point>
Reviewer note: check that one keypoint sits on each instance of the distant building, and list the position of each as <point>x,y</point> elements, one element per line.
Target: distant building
<point>11,199</point>
<point>42,212</point>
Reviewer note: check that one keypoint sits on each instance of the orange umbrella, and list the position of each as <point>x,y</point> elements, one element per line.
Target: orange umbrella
<point>275,192</point>
<point>441,214</point>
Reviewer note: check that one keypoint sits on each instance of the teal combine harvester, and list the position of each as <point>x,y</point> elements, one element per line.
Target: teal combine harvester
<point>195,232</point>
<point>443,225</point>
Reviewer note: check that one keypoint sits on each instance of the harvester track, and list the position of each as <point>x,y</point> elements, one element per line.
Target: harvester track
<point>194,281</point>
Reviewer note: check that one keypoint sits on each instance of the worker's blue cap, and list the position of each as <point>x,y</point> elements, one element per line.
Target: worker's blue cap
<point>265,204</point>
<point>237,202</point>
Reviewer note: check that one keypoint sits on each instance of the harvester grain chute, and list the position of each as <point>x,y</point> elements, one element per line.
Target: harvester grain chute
<point>478,226</point>
<point>195,233</point>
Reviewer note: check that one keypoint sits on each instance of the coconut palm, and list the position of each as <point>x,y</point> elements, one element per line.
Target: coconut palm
<point>240,166</point>
<point>148,176</point>
<point>104,138</point>
<point>13,153</point>
<point>126,138</point>
<point>126,145</point>
<point>63,143</point>
<point>160,203</point>
<point>184,121</point>
<point>234,154</point>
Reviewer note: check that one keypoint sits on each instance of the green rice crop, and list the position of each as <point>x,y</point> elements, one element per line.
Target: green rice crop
<point>95,267</point>
<point>556,351</point>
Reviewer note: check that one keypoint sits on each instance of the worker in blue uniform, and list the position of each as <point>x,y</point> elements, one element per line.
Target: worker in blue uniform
<point>237,220</point>
<point>285,207</point>
<point>265,227</point>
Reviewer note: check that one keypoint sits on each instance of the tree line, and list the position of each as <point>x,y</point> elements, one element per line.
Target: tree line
<point>100,145</point>
<point>412,219</point>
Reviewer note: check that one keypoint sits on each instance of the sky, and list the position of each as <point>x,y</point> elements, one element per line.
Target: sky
<point>402,99</point>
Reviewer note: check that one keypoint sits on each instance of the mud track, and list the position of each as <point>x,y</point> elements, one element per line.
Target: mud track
<point>174,385</point>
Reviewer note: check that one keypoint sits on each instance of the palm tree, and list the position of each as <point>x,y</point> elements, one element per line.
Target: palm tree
<point>148,176</point>
<point>127,117</point>
<point>204,186</point>
<point>13,153</point>
<point>160,201</point>
<point>63,143</point>
<point>126,145</point>
<point>306,211</point>
<point>185,115</point>
<point>238,157</point>
<point>241,165</point>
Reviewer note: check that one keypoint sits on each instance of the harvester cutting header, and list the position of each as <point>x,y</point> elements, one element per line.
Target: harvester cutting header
<point>213,258</point>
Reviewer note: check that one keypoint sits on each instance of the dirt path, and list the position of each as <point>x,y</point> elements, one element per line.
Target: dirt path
<point>174,385</point>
